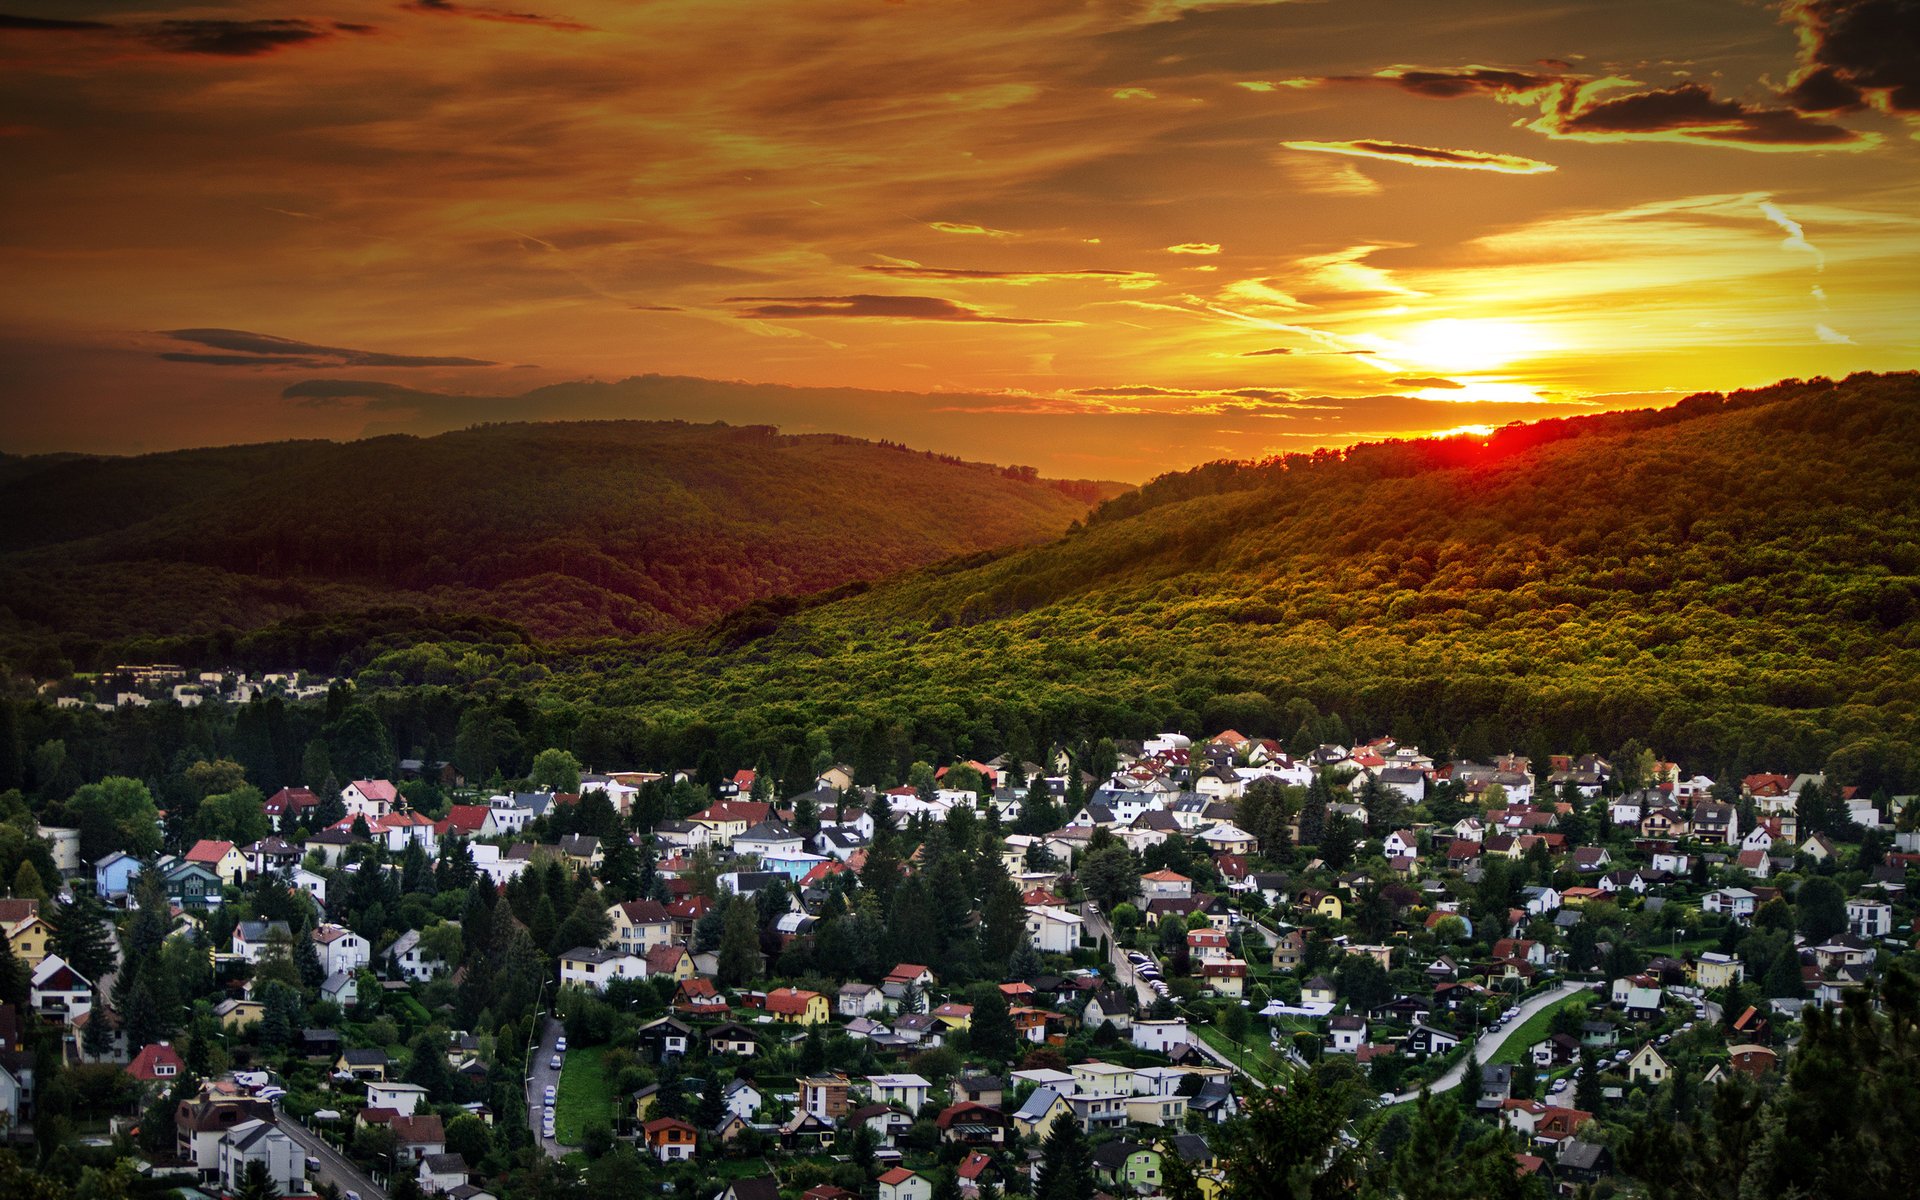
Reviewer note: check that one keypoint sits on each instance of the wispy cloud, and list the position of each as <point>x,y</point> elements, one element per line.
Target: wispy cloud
<point>1428,156</point>
<point>870,307</point>
<point>970,275</point>
<point>1195,248</point>
<point>448,8</point>
<point>239,348</point>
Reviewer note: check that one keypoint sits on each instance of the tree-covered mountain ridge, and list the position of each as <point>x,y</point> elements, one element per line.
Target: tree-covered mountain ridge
<point>1733,578</point>
<point>563,529</point>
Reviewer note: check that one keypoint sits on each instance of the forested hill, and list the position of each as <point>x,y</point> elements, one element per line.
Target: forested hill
<point>563,530</point>
<point>1733,580</point>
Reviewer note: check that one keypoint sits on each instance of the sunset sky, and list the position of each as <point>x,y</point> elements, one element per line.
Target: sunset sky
<point>1105,237</point>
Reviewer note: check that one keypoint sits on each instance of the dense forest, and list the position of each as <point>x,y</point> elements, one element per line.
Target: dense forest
<point>1734,581</point>
<point>570,530</point>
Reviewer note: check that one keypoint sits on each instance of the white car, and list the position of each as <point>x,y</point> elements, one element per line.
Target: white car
<point>1559,1085</point>
<point>554,1062</point>
<point>1386,1097</point>
<point>560,1044</point>
<point>1623,1056</point>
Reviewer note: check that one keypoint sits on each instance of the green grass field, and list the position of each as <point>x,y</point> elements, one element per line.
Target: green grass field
<point>586,1094</point>
<point>1535,1028</point>
<point>1260,1062</point>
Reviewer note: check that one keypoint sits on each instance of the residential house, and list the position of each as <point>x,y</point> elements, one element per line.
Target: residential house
<point>638,926</point>
<point>1648,1066</point>
<point>369,798</point>
<point>670,1139</point>
<point>899,1183</point>
<point>113,875</point>
<point>260,1141</point>
<point>341,949</point>
<point>798,1007</point>
<point>58,992</point>
<point>222,858</point>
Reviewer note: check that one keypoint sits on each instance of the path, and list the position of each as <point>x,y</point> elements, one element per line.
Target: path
<point>334,1167</point>
<point>1096,923</point>
<point>1493,1039</point>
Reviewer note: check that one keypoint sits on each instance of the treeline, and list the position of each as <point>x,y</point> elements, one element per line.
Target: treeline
<point>564,530</point>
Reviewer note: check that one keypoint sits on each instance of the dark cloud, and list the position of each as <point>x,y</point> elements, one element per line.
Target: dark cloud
<point>232,39</point>
<point>263,349</point>
<point>447,8</point>
<point>1428,156</point>
<point>1133,390</point>
<point>1853,49</point>
<point>48,24</point>
<point>1691,110</point>
<point>1571,108</point>
<point>1465,81</point>
<point>889,308</point>
<point>216,37</point>
<point>917,272</point>
<point>656,308</point>
<point>1426,381</point>
<point>1264,353</point>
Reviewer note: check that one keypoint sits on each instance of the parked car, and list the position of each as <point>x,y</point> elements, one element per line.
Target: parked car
<point>560,1044</point>
<point>554,1062</point>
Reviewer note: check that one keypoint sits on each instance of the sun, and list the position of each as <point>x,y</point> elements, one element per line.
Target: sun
<point>1464,344</point>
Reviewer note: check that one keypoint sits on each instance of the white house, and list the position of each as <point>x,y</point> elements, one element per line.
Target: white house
<point>412,962</point>
<point>1869,918</point>
<point>593,968</point>
<point>369,798</point>
<point>261,1142</point>
<point>341,949</point>
<point>1161,1035</point>
<point>908,1091</point>
<point>58,992</point>
<point>1737,903</point>
<point>311,882</point>
<point>1053,930</point>
<point>403,1098</point>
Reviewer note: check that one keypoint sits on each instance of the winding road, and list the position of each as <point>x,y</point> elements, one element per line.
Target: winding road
<point>334,1167</point>
<point>539,1075</point>
<point>1491,1041</point>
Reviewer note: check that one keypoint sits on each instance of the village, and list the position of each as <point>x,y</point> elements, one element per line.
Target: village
<point>993,973</point>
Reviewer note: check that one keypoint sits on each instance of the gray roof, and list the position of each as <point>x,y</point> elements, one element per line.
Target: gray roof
<point>1042,1099</point>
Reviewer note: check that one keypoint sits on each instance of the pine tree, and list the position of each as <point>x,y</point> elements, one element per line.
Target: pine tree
<point>1066,1163</point>
<point>739,944</point>
<point>991,1031</point>
<point>256,1183</point>
<point>79,933</point>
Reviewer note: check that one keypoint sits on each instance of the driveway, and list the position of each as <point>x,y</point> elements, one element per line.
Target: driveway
<point>1493,1039</point>
<point>1122,969</point>
<point>334,1167</point>
<point>539,1075</point>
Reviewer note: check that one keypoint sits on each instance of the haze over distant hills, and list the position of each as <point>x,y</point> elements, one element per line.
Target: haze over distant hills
<point>562,530</point>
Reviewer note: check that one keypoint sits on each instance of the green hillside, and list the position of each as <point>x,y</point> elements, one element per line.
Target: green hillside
<point>566,530</point>
<point>1733,580</point>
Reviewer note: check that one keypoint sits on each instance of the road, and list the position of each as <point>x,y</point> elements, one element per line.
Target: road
<point>539,1075</point>
<point>334,1167</point>
<point>1097,925</point>
<point>1493,1039</point>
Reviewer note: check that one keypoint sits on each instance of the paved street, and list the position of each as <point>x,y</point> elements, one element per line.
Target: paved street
<point>1493,1039</point>
<point>539,1075</point>
<point>1123,970</point>
<point>334,1167</point>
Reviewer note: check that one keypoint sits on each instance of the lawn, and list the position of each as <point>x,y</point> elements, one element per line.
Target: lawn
<point>1260,1061</point>
<point>1535,1029</point>
<point>586,1094</point>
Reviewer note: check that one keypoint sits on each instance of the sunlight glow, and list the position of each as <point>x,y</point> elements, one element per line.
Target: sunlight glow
<point>1457,344</point>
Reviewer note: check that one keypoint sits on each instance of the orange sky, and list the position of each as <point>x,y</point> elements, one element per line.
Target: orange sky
<point>1105,237</point>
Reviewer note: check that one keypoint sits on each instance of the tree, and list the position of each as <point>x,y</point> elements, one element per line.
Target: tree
<point>256,1183</point>
<point>1821,909</point>
<point>1293,1143</point>
<point>1586,1086</point>
<point>1445,1157</point>
<point>1066,1164</point>
<point>739,944</point>
<point>427,1067</point>
<point>79,933</point>
<point>238,816</point>
<point>1110,876</point>
<point>991,1031</point>
<point>469,1137</point>
<point>1783,980</point>
<point>555,770</point>
<point>115,814</point>
<point>27,884</point>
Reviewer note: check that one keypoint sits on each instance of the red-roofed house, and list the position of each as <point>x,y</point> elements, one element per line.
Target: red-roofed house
<point>671,1140</point>
<point>902,1184</point>
<point>369,798</point>
<point>466,820</point>
<point>222,858</point>
<point>672,961</point>
<point>797,1007</point>
<point>289,806</point>
<point>698,996</point>
<point>157,1063</point>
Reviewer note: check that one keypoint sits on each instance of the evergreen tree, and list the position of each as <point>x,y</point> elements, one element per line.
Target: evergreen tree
<point>991,1029</point>
<point>1445,1157</point>
<point>79,933</point>
<point>1066,1164</point>
<point>256,1183</point>
<point>713,1104</point>
<point>27,884</point>
<point>1292,1143</point>
<point>739,944</point>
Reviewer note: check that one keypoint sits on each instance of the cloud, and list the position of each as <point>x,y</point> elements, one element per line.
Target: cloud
<point>966,230</point>
<point>1854,51</point>
<point>656,308</point>
<point>1832,337</point>
<point>48,24</point>
<point>1796,238</point>
<point>244,349</point>
<point>1579,108</point>
<point>1688,112</point>
<point>447,8</point>
<point>1429,156</point>
<point>915,271</point>
<point>885,308</point>
<point>1264,353</point>
<point>1427,381</point>
<point>215,37</point>
<point>1195,248</point>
